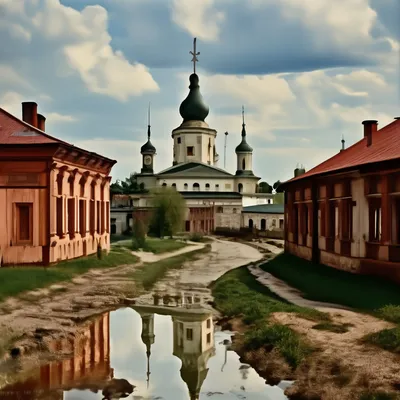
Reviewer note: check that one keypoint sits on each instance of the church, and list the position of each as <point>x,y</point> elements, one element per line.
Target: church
<point>215,198</point>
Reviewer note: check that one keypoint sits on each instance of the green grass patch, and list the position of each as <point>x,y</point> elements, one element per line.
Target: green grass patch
<point>16,280</point>
<point>326,284</point>
<point>150,273</point>
<point>390,313</point>
<point>331,327</point>
<point>153,245</point>
<point>116,238</point>
<point>388,339</point>
<point>238,294</point>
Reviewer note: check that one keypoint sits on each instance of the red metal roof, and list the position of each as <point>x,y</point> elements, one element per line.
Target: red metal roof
<point>16,131</point>
<point>385,146</point>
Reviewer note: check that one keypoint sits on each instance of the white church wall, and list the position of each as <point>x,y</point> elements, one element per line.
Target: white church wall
<point>249,185</point>
<point>215,185</point>
<point>248,161</point>
<point>255,200</point>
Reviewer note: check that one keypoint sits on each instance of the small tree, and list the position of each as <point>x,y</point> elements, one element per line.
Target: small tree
<point>277,187</point>
<point>139,234</point>
<point>169,212</point>
<point>264,187</point>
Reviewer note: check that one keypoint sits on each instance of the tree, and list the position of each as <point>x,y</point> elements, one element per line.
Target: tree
<point>128,186</point>
<point>139,233</point>
<point>277,187</point>
<point>169,212</point>
<point>264,187</point>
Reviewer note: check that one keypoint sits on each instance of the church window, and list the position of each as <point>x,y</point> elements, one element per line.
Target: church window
<point>208,323</point>
<point>189,334</point>
<point>196,186</point>
<point>269,201</point>
<point>220,210</point>
<point>240,188</point>
<point>251,223</point>
<point>174,185</point>
<point>263,224</point>
<point>207,186</point>
<point>217,187</point>
<point>280,223</point>
<point>190,151</point>
<point>208,338</point>
<point>185,186</point>
<point>179,140</point>
<point>164,184</point>
<point>234,210</point>
<point>243,164</point>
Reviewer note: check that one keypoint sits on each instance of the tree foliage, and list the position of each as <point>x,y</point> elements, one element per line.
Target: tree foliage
<point>264,187</point>
<point>128,186</point>
<point>139,234</point>
<point>168,212</point>
<point>277,187</point>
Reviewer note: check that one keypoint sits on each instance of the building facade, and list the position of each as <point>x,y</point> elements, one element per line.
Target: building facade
<point>54,197</point>
<point>264,217</point>
<point>345,212</point>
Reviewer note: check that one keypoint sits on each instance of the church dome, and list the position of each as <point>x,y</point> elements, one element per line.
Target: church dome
<point>193,108</point>
<point>148,148</point>
<point>243,147</point>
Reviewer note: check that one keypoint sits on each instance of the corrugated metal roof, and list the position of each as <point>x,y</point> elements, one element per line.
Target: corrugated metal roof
<point>265,209</point>
<point>385,146</point>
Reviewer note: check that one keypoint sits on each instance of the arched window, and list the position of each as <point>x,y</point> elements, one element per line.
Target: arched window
<point>196,187</point>
<point>164,184</point>
<point>234,210</point>
<point>185,186</point>
<point>251,223</point>
<point>220,210</point>
<point>243,164</point>
<point>240,188</point>
<point>269,201</point>
<point>174,185</point>
<point>217,187</point>
<point>263,224</point>
<point>207,186</point>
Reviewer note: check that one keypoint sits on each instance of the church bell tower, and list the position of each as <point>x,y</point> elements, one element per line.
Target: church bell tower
<point>148,152</point>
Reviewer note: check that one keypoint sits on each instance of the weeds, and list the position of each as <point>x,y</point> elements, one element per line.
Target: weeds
<point>331,327</point>
<point>388,339</point>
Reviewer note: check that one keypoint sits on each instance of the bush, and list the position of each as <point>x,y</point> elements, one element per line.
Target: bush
<point>390,313</point>
<point>196,237</point>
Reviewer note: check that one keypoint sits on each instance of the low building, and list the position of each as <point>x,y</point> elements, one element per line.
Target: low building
<point>345,212</point>
<point>54,197</point>
<point>264,217</point>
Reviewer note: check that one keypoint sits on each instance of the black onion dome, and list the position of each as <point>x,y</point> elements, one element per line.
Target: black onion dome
<point>243,147</point>
<point>148,146</point>
<point>193,108</point>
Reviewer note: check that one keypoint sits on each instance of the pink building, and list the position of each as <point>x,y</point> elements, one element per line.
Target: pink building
<point>54,197</point>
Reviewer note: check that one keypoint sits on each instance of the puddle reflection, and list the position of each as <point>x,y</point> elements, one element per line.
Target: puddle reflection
<point>137,354</point>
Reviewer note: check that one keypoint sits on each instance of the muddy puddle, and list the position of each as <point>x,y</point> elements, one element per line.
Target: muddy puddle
<point>144,353</point>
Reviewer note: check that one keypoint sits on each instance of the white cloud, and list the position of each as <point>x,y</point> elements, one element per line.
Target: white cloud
<point>201,19</point>
<point>84,45</point>
<point>56,117</point>
<point>10,76</point>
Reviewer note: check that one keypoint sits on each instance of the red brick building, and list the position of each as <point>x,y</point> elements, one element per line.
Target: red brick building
<point>345,212</point>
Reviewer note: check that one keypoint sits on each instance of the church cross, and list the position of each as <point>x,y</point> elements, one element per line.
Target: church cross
<point>194,54</point>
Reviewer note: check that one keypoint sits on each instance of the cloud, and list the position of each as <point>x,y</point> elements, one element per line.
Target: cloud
<point>56,117</point>
<point>82,46</point>
<point>201,20</point>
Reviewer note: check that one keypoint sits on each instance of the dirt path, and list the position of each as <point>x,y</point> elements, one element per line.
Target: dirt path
<point>342,356</point>
<point>150,257</point>
<point>193,280</point>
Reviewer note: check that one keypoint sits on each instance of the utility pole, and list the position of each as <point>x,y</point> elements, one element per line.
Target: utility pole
<point>226,137</point>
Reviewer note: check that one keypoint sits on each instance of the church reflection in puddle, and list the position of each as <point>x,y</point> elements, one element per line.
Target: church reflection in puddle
<point>146,353</point>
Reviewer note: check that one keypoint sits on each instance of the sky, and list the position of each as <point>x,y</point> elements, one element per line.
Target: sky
<point>306,71</point>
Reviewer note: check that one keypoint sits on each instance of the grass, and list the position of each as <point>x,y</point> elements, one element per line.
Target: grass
<point>321,283</point>
<point>378,396</point>
<point>331,327</point>
<point>388,339</point>
<point>116,238</point>
<point>238,294</point>
<point>153,245</point>
<point>150,273</point>
<point>16,280</point>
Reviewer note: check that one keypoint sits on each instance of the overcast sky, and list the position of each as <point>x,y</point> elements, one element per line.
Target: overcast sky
<point>307,72</point>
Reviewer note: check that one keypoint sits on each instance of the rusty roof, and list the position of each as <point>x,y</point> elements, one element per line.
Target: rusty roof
<point>385,146</point>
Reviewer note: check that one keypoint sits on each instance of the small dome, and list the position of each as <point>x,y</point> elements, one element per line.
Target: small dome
<point>244,147</point>
<point>148,148</point>
<point>193,108</point>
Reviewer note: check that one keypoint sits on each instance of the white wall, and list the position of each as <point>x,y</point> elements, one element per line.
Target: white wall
<point>225,184</point>
<point>248,159</point>
<point>249,184</point>
<point>255,200</point>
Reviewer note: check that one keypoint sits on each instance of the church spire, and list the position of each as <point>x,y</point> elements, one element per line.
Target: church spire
<point>148,124</point>
<point>148,147</point>
<point>243,147</point>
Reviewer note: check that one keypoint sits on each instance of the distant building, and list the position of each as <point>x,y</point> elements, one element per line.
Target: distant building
<point>345,212</point>
<point>264,217</point>
<point>54,197</point>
